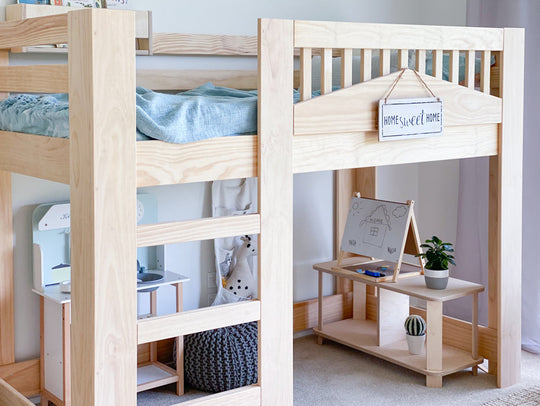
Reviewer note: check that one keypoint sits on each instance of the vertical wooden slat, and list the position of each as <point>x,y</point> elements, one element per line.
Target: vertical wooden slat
<point>42,349</point>
<point>320,306</point>
<point>179,342</point>
<point>275,111</point>
<point>453,73</point>
<point>493,250</point>
<point>434,342</point>
<point>421,60</point>
<point>510,208</point>
<point>305,74</point>
<point>365,68</point>
<point>403,58</point>
<point>103,210</point>
<point>384,62</point>
<point>66,356</point>
<point>7,316</point>
<point>7,320</point>
<point>326,70</point>
<point>346,68</point>
<point>153,312</point>
<point>485,72</point>
<point>437,63</point>
<point>469,69</point>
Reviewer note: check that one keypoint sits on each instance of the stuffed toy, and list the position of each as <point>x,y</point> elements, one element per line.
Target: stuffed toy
<point>241,281</point>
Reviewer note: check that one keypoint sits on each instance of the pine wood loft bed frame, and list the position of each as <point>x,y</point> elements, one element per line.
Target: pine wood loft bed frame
<point>331,132</point>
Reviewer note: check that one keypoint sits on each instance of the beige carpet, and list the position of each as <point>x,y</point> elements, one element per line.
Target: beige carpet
<point>525,397</point>
<point>333,375</point>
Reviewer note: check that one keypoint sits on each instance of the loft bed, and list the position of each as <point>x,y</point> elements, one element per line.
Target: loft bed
<point>324,133</point>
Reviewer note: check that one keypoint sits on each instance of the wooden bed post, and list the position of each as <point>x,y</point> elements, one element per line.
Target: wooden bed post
<point>7,336</point>
<point>275,131</point>
<point>7,317</point>
<point>506,253</point>
<point>103,216</point>
<point>347,182</point>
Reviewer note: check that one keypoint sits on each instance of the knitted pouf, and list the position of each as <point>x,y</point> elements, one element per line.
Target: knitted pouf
<point>221,359</point>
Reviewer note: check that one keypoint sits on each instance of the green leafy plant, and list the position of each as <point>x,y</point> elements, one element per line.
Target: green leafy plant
<point>437,254</point>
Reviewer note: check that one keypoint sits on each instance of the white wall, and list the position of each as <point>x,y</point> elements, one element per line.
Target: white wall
<point>313,211</point>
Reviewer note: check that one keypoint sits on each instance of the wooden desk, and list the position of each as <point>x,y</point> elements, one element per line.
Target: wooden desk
<point>385,337</point>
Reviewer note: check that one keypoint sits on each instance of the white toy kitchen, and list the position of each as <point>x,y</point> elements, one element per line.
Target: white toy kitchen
<point>51,280</point>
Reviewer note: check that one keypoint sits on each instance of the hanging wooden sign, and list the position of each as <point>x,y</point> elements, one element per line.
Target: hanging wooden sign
<point>410,118</point>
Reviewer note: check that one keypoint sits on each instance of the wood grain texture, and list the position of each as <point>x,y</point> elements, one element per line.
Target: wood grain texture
<point>420,64</point>
<point>10,396</point>
<point>437,63</point>
<point>161,163</point>
<point>356,108</point>
<point>305,73</point>
<point>193,321</point>
<point>323,34</point>
<point>35,155</point>
<point>103,210</point>
<point>493,250</point>
<point>203,44</point>
<point>392,310</point>
<point>7,311</point>
<point>66,356</point>
<point>197,230</point>
<point>275,193</point>
<point>469,69</point>
<point>34,31</point>
<point>510,209</point>
<point>179,79</point>
<point>457,333</point>
<point>34,78</point>
<point>453,73</point>
<point>322,152</point>
<point>247,395</point>
<point>326,71</point>
<point>23,11</point>
<point>305,312</point>
<point>23,376</point>
<point>485,72</point>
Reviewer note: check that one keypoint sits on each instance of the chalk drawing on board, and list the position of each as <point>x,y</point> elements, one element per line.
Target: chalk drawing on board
<point>381,230</point>
<point>375,226</point>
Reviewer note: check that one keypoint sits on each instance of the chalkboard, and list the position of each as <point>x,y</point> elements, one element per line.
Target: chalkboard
<point>376,228</point>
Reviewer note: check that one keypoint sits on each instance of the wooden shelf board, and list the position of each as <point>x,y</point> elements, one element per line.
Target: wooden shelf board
<point>154,374</point>
<point>411,286</point>
<point>362,335</point>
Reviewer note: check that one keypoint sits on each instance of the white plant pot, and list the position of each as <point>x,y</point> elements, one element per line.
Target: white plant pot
<point>435,278</point>
<point>416,344</point>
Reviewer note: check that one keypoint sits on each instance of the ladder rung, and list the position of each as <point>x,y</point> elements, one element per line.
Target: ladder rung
<point>247,395</point>
<point>193,321</point>
<point>197,230</point>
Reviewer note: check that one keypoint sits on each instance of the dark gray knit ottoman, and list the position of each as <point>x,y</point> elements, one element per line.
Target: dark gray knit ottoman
<point>221,359</point>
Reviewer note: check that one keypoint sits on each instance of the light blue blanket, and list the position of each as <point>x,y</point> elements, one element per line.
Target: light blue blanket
<point>205,112</point>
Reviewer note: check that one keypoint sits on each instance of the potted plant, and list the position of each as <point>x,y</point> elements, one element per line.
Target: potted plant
<point>438,258</point>
<point>415,326</point>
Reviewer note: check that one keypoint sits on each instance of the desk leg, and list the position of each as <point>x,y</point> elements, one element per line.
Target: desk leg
<point>320,322</point>
<point>153,312</point>
<point>179,343</point>
<point>66,347</point>
<point>434,343</point>
<point>44,399</point>
<point>475,332</point>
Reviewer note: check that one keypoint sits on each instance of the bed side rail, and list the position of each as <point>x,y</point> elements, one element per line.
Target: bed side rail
<point>416,47</point>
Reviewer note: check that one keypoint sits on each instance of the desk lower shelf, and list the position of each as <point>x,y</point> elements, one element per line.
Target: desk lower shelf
<point>362,335</point>
<point>154,374</point>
